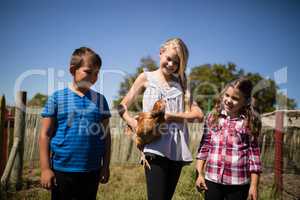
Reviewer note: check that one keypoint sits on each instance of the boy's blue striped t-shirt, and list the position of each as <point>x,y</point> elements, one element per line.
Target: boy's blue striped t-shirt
<point>78,143</point>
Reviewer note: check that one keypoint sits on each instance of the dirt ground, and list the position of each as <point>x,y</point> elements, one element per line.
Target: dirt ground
<point>291,185</point>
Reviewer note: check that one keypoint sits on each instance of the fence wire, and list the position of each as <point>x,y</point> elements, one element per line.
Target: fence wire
<point>124,151</point>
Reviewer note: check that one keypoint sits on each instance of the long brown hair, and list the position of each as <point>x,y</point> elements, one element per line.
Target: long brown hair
<point>252,118</point>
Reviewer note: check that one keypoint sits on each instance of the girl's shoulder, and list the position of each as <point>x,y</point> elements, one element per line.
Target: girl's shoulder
<point>145,78</point>
<point>149,74</point>
<point>141,79</point>
<point>209,116</point>
<point>150,77</point>
<point>213,119</point>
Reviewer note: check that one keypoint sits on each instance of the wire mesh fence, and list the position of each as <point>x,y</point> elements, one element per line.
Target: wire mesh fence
<point>124,151</point>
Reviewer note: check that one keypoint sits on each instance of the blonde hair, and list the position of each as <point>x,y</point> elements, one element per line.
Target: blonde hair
<point>183,54</point>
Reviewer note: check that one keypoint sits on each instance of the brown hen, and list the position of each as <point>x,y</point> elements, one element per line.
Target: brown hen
<point>147,129</point>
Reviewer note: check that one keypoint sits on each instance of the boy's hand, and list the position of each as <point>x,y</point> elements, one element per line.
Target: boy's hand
<point>252,193</point>
<point>48,179</point>
<point>200,183</point>
<point>104,175</point>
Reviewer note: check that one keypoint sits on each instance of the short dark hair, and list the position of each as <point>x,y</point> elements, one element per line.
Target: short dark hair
<point>78,54</point>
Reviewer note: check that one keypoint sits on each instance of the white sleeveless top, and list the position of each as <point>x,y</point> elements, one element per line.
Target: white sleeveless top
<point>174,141</point>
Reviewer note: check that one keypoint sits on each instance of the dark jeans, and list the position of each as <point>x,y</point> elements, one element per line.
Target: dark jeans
<point>75,185</point>
<point>229,192</point>
<point>162,178</point>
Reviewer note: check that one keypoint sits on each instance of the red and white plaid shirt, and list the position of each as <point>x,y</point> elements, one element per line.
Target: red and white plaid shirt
<point>231,153</point>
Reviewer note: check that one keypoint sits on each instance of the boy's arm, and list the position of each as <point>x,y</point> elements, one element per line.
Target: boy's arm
<point>47,130</point>
<point>104,172</point>
<point>107,154</point>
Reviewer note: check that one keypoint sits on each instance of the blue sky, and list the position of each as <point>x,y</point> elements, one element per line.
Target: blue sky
<point>259,36</point>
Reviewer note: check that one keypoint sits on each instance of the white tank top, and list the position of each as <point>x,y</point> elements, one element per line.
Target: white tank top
<point>174,141</point>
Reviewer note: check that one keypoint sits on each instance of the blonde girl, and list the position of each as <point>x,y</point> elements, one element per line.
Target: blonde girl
<point>167,155</point>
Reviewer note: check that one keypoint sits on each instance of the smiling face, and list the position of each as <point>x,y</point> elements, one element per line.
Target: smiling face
<point>233,100</point>
<point>169,61</point>
<point>86,75</point>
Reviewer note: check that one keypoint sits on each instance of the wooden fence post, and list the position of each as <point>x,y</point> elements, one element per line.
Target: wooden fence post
<point>19,132</point>
<point>278,152</point>
<point>2,134</point>
<point>10,125</point>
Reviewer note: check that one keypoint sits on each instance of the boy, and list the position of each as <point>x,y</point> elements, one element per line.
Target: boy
<point>75,129</point>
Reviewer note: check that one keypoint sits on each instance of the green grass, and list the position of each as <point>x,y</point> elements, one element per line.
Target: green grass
<point>127,182</point>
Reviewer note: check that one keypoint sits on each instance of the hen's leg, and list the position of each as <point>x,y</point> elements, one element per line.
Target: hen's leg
<point>144,160</point>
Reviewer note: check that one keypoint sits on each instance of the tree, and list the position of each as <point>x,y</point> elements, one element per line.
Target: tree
<point>207,81</point>
<point>146,63</point>
<point>38,100</point>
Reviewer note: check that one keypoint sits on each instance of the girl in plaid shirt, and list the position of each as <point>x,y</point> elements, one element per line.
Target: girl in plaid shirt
<point>229,154</point>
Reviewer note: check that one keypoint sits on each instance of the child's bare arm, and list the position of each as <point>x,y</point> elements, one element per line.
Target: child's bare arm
<point>47,130</point>
<point>254,179</point>
<point>130,97</point>
<point>253,191</point>
<point>195,114</point>
<point>200,182</point>
<point>107,155</point>
<point>105,173</point>
<point>200,166</point>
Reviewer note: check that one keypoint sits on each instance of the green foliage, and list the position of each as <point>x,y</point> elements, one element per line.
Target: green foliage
<point>146,63</point>
<point>207,81</point>
<point>38,100</point>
